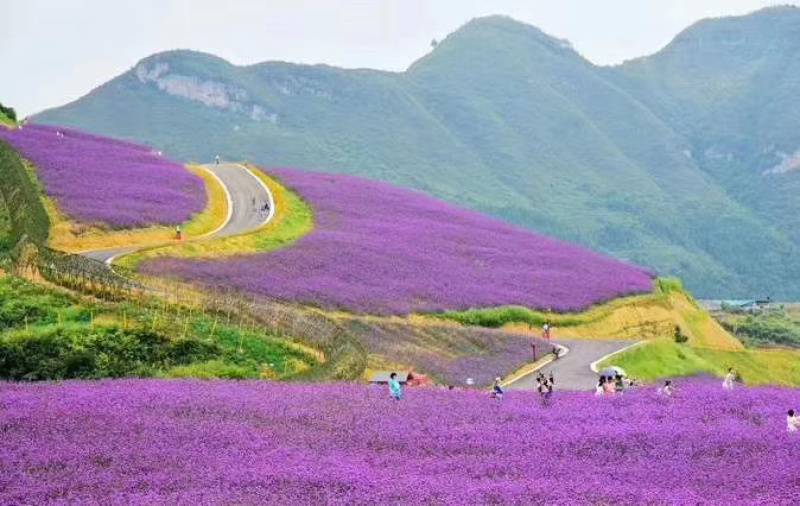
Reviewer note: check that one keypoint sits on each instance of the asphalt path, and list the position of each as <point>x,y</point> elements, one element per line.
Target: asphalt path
<point>247,196</point>
<point>572,372</point>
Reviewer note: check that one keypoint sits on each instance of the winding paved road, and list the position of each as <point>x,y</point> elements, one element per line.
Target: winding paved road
<point>243,189</point>
<point>572,371</point>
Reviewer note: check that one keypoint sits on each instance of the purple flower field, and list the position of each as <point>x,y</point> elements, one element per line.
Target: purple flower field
<point>99,180</point>
<point>195,442</point>
<point>380,249</point>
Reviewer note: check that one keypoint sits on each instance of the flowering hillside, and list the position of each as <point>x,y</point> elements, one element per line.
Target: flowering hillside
<point>99,180</point>
<point>195,442</point>
<point>377,248</point>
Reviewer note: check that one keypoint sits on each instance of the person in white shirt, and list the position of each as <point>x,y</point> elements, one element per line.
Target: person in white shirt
<point>792,421</point>
<point>727,383</point>
<point>667,390</point>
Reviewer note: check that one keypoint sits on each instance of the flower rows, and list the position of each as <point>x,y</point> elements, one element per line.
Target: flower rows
<point>104,181</point>
<point>196,442</point>
<point>381,249</point>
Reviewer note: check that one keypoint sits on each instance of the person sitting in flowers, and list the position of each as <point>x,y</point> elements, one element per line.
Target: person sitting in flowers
<point>394,387</point>
<point>667,390</point>
<point>792,421</point>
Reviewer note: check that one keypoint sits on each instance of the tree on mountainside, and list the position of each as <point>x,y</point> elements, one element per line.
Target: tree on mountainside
<point>9,112</point>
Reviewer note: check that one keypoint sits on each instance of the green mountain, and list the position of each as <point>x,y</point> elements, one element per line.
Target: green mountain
<point>682,161</point>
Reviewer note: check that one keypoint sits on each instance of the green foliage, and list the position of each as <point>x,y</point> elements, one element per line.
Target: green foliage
<point>26,214</point>
<point>21,302</point>
<point>5,226</point>
<point>766,329</point>
<point>213,369</point>
<point>47,335</point>
<point>665,359</point>
<point>8,112</point>
<point>679,336</point>
<point>669,285</point>
<point>68,352</point>
<point>658,161</point>
<point>497,317</point>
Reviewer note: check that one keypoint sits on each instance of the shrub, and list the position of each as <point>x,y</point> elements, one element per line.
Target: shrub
<point>9,112</point>
<point>74,351</point>
<point>680,337</point>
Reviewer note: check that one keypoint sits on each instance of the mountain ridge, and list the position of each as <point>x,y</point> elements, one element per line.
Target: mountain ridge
<point>505,119</point>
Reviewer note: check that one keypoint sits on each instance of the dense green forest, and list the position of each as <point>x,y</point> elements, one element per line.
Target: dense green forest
<point>684,161</point>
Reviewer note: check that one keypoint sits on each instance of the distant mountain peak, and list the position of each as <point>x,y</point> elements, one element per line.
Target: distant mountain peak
<point>506,26</point>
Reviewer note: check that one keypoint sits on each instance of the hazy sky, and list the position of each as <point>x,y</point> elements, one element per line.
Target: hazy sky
<point>52,51</point>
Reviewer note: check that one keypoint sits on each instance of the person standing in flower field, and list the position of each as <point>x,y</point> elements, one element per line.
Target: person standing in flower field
<point>178,232</point>
<point>727,383</point>
<point>497,389</point>
<point>394,387</point>
<point>216,160</point>
<point>792,421</point>
<point>546,330</point>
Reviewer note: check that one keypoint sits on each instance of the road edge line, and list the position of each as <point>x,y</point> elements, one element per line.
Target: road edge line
<point>593,365</point>
<point>266,189</point>
<point>227,198</point>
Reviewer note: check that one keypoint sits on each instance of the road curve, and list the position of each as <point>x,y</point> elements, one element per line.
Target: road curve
<point>247,195</point>
<point>572,371</point>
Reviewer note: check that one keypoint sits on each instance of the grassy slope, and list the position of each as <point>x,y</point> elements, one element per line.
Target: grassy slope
<point>773,328</point>
<point>503,119</point>
<point>665,358</point>
<point>5,225</point>
<point>648,316</point>
<point>32,318</point>
<point>69,236</point>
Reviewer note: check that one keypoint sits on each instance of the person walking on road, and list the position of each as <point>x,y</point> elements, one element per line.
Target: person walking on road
<point>394,387</point>
<point>727,383</point>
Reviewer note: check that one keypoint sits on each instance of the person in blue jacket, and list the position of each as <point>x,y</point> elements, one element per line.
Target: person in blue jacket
<point>394,387</point>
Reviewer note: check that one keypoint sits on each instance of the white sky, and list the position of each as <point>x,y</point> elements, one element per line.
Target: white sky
<point>54,51</point>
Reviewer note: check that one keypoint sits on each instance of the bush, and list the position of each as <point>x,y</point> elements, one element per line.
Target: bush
<point>680,337</point>
<point>21,301</point>
<point>26,213</point>
<point>76,352</point>
<point>9,112</point>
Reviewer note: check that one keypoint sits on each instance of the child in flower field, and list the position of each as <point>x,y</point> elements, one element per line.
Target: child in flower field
<point>601,387</point>
<point>609,387</point>
<point>727,383</point>
<point>394,387</point>
<point>792,421</point>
